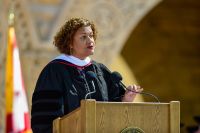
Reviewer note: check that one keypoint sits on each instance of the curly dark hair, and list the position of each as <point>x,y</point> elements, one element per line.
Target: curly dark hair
<point>64,37</point>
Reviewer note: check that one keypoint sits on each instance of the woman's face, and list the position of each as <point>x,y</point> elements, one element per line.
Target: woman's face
<point>83,43</point>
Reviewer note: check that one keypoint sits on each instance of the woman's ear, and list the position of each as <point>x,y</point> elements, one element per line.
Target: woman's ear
<point>71,44</point>
<point>71,48</point>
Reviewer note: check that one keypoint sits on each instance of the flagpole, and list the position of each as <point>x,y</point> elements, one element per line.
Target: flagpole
<point>17,115</point>
<point>11,15</point>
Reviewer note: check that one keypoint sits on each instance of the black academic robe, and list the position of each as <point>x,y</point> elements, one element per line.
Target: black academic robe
<point>60,87</point>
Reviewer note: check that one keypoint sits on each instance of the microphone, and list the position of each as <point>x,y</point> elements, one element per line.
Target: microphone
<point>117,78</point>
<point>90,76</point>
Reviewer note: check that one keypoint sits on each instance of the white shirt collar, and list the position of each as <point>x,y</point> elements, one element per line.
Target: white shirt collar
<point>74,60</point>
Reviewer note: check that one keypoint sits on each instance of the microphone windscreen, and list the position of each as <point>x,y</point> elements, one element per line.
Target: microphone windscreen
<point>90,75</point>
<point>116,77</point>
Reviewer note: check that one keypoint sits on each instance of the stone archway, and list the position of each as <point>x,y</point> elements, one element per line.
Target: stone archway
<point>163,53</point>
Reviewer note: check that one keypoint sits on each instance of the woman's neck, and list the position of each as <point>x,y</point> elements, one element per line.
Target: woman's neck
<point>80,58</point>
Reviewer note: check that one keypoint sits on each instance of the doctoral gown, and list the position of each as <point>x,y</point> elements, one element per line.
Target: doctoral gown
<point>62,85</point>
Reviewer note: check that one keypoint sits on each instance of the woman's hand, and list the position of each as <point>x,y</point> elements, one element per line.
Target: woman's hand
<point>131,92</point>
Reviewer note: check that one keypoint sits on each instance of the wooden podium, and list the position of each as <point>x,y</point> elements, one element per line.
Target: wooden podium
<point>116,117</point>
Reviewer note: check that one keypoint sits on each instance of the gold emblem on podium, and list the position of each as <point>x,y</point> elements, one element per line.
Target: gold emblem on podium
<point>132,130</point>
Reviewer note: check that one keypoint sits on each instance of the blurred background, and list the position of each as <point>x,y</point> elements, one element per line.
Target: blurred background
<point>153,43</point>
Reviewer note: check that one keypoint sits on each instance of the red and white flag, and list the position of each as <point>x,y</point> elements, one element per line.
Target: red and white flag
<point>17,115</point>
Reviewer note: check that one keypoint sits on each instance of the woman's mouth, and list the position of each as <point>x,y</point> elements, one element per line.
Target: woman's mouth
<point>90,47</point>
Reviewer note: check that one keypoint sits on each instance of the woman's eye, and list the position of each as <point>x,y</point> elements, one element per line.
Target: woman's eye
<point>91,36</point>
<point>83,37</point>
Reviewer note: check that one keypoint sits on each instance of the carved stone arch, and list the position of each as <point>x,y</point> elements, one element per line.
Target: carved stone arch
<point>163,53</point>
<point>38,19</point>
